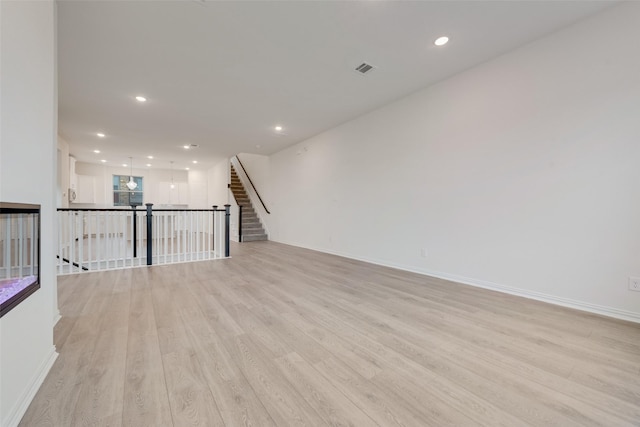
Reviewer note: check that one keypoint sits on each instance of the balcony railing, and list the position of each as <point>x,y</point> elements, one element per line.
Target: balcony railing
<point>104,239</point>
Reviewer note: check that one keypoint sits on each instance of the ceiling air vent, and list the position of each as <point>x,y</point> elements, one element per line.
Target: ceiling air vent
<point>365,68</point>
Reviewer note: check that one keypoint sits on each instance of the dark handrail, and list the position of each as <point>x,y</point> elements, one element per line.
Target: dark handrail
<point>136,210</point>
<point>123,209</point>
<point>254,187</point>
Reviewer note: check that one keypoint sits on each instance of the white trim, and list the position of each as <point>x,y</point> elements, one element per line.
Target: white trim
<point>56,317</point>
<point>617,313</point>
<point>18,411</point>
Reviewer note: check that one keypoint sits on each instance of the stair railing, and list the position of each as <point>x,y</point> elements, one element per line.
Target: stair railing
<point>103,239</point>
<point>251,182</point>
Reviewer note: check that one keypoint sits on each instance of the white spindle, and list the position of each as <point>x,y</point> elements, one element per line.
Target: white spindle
<point>198,236</point>
<point>89,219</point>
<point>178,236</point>
<point>142,232</point>
<point>188,231</point>
<point>208,235</point>
<point>71,242</point>
<point>99,231</point>
<point>154,238</point>
<point>183,230</point>
<point>81,239</point>
<point>219,251</point>
<point>221,221</point>
<point>172,225</point>
<point>7,247</point>
<point>118,238</point>
<point>34,243</point>
<point>112,239</point>
<point>21,248</point>
<point>123,241</point>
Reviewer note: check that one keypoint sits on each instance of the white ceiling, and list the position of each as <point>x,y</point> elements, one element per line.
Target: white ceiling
<point>223,74</point>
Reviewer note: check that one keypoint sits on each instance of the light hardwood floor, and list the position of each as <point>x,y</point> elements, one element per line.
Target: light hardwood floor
<point>280,336</point>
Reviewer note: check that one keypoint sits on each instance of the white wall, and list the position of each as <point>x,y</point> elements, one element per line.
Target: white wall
<point>205,188</point>
<point>198,189</point>
<point>520,174</point>
<point>258,167</point>
<point>27,175</point>
<point>151,180</point>
<point>63,173</point>
<point>218,178</point>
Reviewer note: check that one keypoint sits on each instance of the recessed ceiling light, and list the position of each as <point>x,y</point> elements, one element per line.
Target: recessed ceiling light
<point>140,98</point>
<point>186,147</point>
<point>278,128</point>
<point>103,161</point>
<point>186,168</point>
<point>100,135</point>
<point>96,151</point>
<point>148,165</point>
<point>149,157</point>
<point>441,41</point>
<point>194,162</point>
<point>125,165</point>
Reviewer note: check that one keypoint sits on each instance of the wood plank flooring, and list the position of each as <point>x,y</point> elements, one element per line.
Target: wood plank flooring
<point>282,336</point>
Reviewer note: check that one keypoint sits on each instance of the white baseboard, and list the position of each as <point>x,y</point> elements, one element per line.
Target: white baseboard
<point>539,296</point>
<point>56,317</point>
<point>16,414</point>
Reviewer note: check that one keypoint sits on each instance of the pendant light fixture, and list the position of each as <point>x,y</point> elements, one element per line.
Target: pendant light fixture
<point>131,185</point>
<point>172,184</point>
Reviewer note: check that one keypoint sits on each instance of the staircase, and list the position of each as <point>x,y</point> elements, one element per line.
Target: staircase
<point>252,229</point>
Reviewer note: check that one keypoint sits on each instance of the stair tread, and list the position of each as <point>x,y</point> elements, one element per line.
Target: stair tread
<point>254,238</point>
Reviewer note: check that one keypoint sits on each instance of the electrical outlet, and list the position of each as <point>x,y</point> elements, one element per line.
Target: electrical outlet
<point>634,284</point>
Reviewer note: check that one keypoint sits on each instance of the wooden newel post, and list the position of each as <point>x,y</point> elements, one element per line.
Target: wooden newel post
<point>149,233</point>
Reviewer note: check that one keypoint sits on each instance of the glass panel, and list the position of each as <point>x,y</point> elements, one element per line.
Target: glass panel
<point>122,196</point>
<point>135,198</point>
<point>127,198</point>
<point>19,253</point>
<point>120,199</point>
<point>120,182</point>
